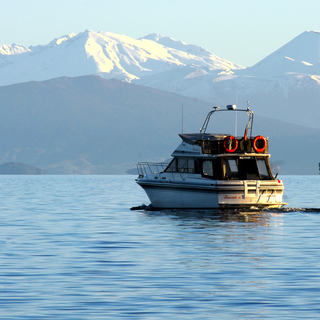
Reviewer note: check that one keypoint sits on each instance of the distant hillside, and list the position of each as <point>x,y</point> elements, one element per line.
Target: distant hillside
<point>88,125</point>
<point>18,168</point>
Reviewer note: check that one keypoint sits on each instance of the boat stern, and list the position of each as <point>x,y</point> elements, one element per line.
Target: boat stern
<point>251,193</point>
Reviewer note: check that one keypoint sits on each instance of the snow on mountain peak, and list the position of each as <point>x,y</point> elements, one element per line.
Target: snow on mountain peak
<point>165,41</point>
<point>304,47</point>
<point>300,55</point>
<point>153,37</point>
<point>196,55</point>
<point>107,54</point>
<point>55,42</point>
<point>65,38</point>
<point>13,49</point>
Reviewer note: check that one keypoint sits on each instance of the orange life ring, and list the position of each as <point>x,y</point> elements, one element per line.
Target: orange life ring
<point>264,144</point>
<point>228,147</point>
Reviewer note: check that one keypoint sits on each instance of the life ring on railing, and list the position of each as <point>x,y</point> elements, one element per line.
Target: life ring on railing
<point>227,144</point>
<point>262,144</point>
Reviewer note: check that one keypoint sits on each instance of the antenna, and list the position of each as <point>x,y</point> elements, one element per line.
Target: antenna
<point>236,121</point>
<point>182,119</point>
<point>236,124</point>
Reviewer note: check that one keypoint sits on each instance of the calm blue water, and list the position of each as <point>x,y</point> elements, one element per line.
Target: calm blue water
<point>70,248</point>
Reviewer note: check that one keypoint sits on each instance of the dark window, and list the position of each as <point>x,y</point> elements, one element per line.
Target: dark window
<point>245,168</point>
<point>263,169</point>
<point>183,165</point>
<point>209,169</point>
<point>231,168</point>
<point>248,169</point>
<point>172,166</point>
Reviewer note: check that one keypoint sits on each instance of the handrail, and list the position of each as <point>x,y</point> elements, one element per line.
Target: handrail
<point>217,109</point>
<point>147,167</point>
<point>155,168</point>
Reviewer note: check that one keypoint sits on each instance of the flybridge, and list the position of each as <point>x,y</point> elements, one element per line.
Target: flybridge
<point>225,143</point>
<point>230,107</point>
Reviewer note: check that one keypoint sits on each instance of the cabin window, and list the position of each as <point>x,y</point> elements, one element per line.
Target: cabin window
<point>207,168</point>
<point>231,170</point>
<point>186,165</point>
<point>263,170</point>
<point>248,169</point>
<point>172,166</point>
<point>233,166</point>
<point>245,168</point>
<point>183,165</point>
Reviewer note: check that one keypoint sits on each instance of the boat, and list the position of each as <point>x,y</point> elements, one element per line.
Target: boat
<point>214,171</point>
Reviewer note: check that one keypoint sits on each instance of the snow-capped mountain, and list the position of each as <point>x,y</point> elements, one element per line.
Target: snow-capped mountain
<point>106,54</point>
<point>192,54</point>
<point>283,85</point>
<point>299,56</point>
<point>295,60</point>
<point>56,123</point>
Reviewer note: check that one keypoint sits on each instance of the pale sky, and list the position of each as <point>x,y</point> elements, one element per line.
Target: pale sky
<point>242,31</point>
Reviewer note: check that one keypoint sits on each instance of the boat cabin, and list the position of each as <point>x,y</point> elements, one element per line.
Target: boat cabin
<point>245,167</point>
<point>223,156</point>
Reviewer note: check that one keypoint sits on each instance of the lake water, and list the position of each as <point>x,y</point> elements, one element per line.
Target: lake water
<point>70,248</point>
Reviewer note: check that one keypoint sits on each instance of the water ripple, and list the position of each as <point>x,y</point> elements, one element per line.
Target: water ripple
<point>70,248</point>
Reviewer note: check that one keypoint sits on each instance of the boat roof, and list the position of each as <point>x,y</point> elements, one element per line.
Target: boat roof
<point>192,138</point>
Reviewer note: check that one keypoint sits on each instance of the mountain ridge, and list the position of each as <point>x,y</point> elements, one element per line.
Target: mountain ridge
<point>281,85</point>
<point>301,55</point>
<point>131,86</point>
<point>90,125</point>
<point>105,54</point>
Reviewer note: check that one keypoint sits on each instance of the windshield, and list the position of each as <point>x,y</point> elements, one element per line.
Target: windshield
<point>185,165</point>
<point>246,168</point>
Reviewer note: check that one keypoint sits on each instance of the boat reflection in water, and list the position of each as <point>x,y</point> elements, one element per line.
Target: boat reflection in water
<point>210,218</point>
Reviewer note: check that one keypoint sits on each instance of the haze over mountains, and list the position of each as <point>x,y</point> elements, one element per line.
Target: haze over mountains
<point>71,121</point>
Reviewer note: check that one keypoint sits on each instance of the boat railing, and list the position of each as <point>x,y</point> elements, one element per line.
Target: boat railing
<point>229,108</point>
<point>145,168</point>
<point>156,169</point>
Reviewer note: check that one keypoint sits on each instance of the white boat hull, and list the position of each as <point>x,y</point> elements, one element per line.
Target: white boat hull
<point>167,198</point>
<point>244,194</point>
